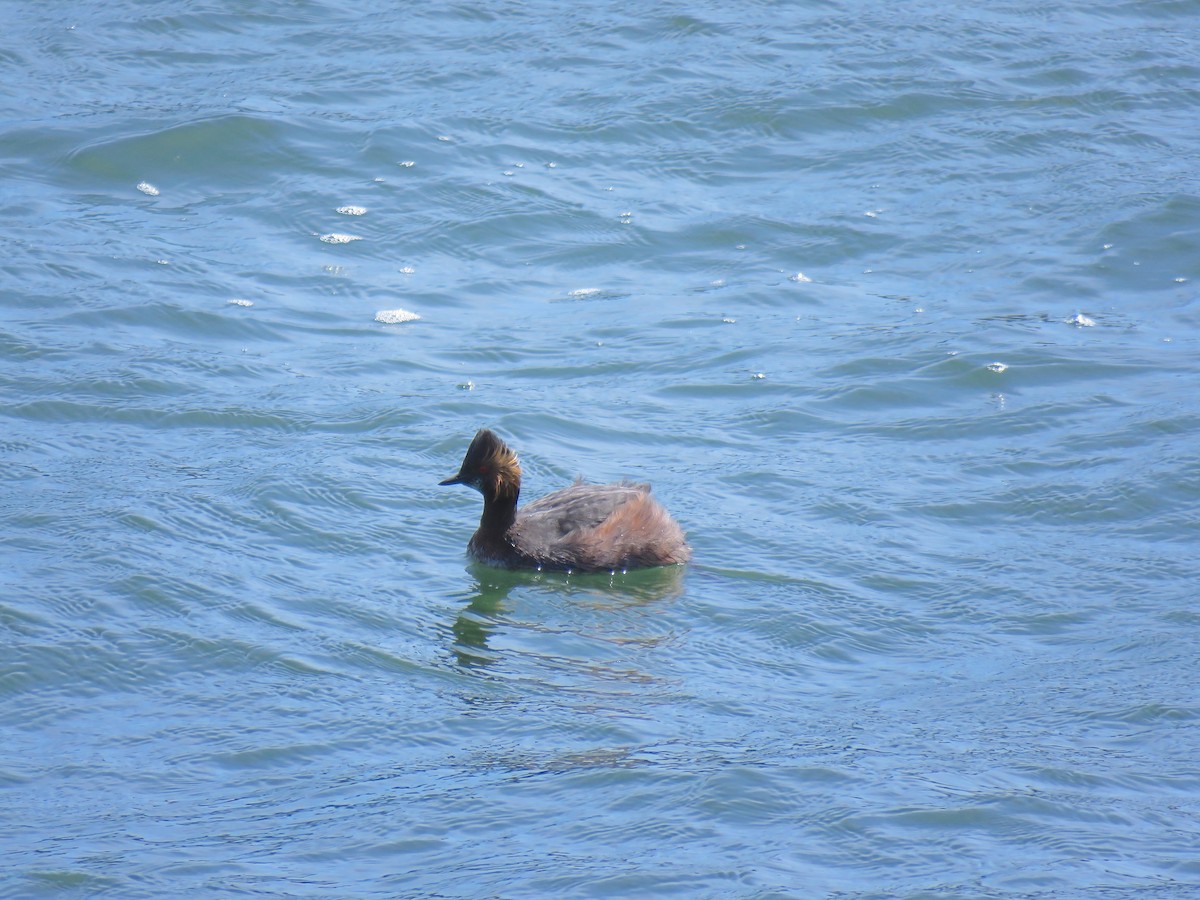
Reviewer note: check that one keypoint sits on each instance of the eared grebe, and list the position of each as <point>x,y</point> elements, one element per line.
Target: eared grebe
<point>584,527</point>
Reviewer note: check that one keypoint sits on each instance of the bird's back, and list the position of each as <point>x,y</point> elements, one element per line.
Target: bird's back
<point>597,527</point>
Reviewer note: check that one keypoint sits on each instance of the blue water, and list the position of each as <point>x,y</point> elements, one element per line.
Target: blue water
<point>896,306</point>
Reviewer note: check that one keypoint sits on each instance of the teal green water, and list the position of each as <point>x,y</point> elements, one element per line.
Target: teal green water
<point>896,307</point>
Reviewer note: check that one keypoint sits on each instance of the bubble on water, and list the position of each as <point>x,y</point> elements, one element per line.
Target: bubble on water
<point>997,367</point>
<point>395,316</point>
<point>147,188</point>
<point>336,238</point>
<point>1081,320</point>
<point>407,163</point>
<point>800,278</point>
<point>351,210</point>
<point>758,376</point>
<point>467,386</point>
<point>238,301</point>
<point>407,270</point>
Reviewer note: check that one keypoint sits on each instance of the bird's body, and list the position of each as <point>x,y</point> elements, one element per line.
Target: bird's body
<point>584,527</point>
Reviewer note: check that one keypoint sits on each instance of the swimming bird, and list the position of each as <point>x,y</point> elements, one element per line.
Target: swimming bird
<point>581,528</point>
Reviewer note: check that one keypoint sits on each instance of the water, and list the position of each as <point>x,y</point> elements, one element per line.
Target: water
<point>894,304</point>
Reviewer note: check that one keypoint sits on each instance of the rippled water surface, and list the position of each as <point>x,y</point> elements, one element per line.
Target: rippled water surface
<point>895,304</point>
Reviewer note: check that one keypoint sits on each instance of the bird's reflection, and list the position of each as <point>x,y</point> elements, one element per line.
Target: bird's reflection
<point>484,611</point>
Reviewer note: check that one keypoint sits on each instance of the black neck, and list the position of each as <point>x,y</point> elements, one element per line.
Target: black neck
<point>499,513</point>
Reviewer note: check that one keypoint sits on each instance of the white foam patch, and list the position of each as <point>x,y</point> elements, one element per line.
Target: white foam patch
<point>997,367</point>
<point>1081,320</point>
<point>147,188</point>
<point>583,293</point>
<point>335,238</point>
<point>395,316</point>
<point>352,210</point>
<point>238,301</point>
<point>799,278</point>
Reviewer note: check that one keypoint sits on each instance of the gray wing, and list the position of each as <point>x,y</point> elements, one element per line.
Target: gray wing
<point>545,522</point>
